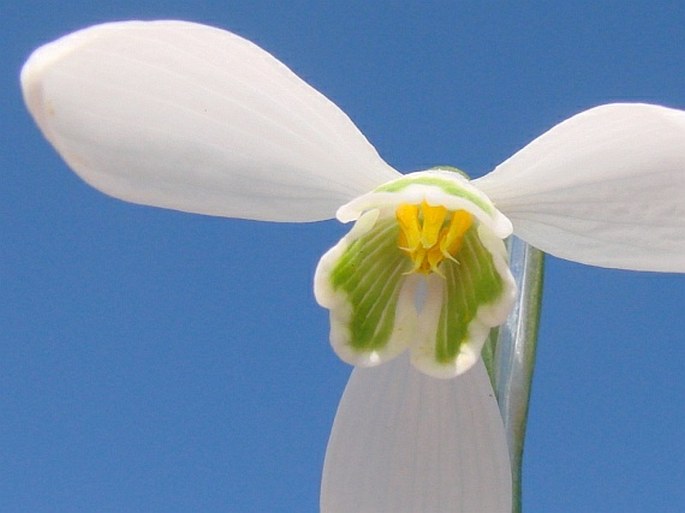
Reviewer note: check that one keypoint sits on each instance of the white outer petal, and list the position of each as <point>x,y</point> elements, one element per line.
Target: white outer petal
<point>189,117</point>
<point>605,187</point>
<point>403,442</point>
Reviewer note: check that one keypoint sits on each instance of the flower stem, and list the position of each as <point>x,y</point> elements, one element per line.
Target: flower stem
<point>514,353</point>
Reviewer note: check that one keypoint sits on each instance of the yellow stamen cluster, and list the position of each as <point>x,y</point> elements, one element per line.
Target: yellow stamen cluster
<point>430,234</point>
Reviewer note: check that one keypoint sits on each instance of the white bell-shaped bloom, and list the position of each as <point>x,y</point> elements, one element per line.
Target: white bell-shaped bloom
<point>194,118</point>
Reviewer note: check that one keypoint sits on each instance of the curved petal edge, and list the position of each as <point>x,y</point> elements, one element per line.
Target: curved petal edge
<point>605,187</point>
<point>194,118</point>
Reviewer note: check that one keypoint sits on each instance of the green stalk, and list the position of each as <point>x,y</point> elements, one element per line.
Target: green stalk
<point>512,350</point>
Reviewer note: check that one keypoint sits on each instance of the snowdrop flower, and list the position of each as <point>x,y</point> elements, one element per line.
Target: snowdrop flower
<point>188,117</point>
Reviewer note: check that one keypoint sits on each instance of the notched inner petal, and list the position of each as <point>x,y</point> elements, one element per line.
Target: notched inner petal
<point>361,280</point>
<point>477,294</point>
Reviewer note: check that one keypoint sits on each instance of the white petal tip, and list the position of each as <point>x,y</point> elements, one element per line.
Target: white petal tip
<point>32,74</point>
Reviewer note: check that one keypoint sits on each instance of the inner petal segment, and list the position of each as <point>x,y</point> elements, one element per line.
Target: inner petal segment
<point>369,321</point>
<point>475,295</point>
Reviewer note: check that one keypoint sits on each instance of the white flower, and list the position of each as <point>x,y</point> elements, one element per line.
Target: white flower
<point>188,117</point>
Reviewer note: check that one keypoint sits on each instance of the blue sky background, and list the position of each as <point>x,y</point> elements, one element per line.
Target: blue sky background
<point>154,361</point>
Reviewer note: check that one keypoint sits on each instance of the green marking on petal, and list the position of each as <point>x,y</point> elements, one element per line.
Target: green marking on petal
<point>448,186</point>
<point>371,273</point>
<point>471,283</point>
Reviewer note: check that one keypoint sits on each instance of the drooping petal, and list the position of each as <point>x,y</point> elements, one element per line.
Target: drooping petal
<point>403,442</point>
<point>194,118</point>
<point>476,294</point>
<point>362,281</point>
<point>605,187</point>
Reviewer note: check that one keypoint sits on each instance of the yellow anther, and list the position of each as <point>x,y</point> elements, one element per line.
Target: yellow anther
<point>433,219</point>
<point>451,243</point>
<point>443,249</point>
<point>419,258</point>
<point>429,234</point>
<point>410,229</point>
<point>433,259</point>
